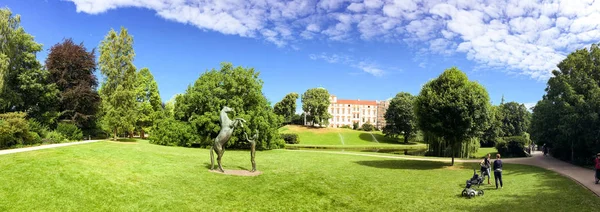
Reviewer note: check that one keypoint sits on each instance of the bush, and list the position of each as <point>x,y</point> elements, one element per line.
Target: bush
<point>55,137</point>
<point>355,125</point>
<point>290,138</point>
<point>35,138</point>
<point>170,132</point>
<point>512,146</point>
<point>37,127</point>
<point>70,131</point>
<point>14,129</point>
<point>346,126</point>
<point>368,127</point>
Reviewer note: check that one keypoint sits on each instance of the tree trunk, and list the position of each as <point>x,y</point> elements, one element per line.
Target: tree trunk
<point>406,139</point>
<point>142,133</point>
<point>452,148</point>
<point>131,134</point>
<point>115,136</point>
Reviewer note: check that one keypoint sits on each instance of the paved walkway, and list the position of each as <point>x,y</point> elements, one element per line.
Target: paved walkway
<point>27,149</point>
<point>583,176</point>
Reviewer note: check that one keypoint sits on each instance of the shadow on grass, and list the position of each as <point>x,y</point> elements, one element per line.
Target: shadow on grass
<point>411,164</point>
<point>126,140</point>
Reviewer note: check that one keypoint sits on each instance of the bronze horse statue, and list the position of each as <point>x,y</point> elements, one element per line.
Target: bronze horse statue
<point>227,127</point>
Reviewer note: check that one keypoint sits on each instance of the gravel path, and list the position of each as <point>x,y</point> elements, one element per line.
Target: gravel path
<point>48,146</point>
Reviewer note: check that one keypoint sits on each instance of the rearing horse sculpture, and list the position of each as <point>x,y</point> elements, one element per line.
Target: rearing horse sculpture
<point>227,127</point>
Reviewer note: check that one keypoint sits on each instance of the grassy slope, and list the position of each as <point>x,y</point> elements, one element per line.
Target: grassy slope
<point>334,136</point>
<point>143,177</point>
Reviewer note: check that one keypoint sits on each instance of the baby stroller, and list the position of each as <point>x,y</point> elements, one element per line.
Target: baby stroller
<point>469,190</point>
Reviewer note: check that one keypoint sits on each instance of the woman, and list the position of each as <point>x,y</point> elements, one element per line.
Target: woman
<point>485,167</point>
<point>498,170</point>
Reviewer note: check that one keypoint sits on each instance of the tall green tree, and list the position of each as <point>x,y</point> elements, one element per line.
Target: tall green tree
<point>315,102</point>
<point>149,104</point>
<point>24,83</point>
<point>235,87</point>
<point>400,117</point>
<point>72,68</point>
<point>453,108</point>
<point>515,119</point>
<point>287,107</point>
<point>118,90</point>
<point>493,132</point>
<point>567,117</point>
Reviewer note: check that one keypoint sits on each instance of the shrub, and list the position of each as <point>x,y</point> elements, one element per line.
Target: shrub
<point>37,127</point>
<point>368,127</point>
<point>290,138</point>
<point>70,131</point>
<point>170,132</point>
<point>55,137</point>
<point>355,125</point>
<point>346,126</point>
<point>512,146</point>
<point>14,129</point>
<point>35,138</point>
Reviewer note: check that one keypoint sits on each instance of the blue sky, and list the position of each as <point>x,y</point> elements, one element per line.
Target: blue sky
<point>368,49</point>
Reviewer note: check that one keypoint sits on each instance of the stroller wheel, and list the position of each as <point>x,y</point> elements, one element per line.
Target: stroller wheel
<point>464,193</point>
<point>471,194</point>
<point>480,193</point>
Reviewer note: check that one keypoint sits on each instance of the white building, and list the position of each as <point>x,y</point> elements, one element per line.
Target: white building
<point>346,112</point>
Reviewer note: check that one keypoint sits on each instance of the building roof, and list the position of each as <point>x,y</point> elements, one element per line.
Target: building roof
<point>356,102</point>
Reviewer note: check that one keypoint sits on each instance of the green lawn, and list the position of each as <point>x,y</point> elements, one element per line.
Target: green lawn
<point>137,176</point>
<point>347,138</point>
<point>483,151</point>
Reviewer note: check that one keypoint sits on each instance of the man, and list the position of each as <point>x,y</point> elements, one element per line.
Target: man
<point>498,170</point>
<point>597,166</point>
<point>485,167</point>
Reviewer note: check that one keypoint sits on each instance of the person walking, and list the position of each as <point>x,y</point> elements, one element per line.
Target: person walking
<point>485,167</point>
<point>597,166</point>
<point>498,170</point>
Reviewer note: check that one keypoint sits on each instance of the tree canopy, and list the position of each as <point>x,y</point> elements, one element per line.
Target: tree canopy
<point>286,107</point>
<point>118,91</point>
<point>72,68</point>
<point>453,108</point>
<point>567,117</point>
<point>24,84</point>
<point>315,102</point>
<point>515,119</point>
<point>149,104</point>
<point>400,117</point>
<point>235,87</point>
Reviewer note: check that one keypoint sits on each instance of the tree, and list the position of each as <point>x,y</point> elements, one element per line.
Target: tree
<point>24,83</point>
<point>400,117</point>
<point>287,107</point>
<point>515,119</point>
<point>118,91</point>
<point>453,108</point>
<point>235,87</point>
<point>567,118</point>
<point>72,69</point>
<point>315,102</point>
<point>149,104</point>
<point>493,133</point>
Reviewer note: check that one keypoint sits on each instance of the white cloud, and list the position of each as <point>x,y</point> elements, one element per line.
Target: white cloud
<point>366,66</point>
<point>529,37</point>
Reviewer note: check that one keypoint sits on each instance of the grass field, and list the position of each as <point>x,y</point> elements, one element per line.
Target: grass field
<point>483,151</point>
<point>137,176</point>
<point>348,138</point>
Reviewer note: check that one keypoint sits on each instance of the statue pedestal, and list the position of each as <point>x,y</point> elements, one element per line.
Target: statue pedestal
<point>237,172</point>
